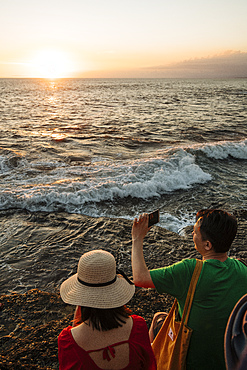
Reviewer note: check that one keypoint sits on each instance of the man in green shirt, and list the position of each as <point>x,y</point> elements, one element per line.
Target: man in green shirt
<point>223,281</point>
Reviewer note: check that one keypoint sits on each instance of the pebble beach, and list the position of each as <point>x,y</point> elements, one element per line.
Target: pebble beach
<point>31,321</point>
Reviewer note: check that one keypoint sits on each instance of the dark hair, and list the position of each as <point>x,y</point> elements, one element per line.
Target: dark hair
<point>103,319</point>
<point>217,226</point>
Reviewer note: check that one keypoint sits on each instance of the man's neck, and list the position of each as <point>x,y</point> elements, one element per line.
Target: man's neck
<point>211,255</point>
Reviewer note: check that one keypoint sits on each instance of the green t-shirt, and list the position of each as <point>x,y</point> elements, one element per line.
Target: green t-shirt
<point>220,286</point>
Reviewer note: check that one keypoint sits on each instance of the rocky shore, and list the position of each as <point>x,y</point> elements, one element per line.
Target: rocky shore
<point>31,321</point>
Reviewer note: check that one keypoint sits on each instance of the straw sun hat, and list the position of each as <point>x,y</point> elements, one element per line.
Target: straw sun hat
<point>96,283</point>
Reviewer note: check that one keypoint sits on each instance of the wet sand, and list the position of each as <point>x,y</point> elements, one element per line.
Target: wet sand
<point>31,321</point>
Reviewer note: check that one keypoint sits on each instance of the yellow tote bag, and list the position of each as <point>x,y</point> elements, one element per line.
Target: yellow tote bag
<point>171,344</point>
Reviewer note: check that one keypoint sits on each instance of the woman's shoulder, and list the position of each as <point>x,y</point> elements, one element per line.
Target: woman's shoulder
<point>139,325</point>
<point>65,334</point>
<point>138,319</point>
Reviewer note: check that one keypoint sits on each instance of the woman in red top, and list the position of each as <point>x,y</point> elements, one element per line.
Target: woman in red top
<point>104,335</point>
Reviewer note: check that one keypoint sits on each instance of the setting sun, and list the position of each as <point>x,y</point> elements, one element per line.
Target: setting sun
<point>80,40</point>
<point>52,64</point>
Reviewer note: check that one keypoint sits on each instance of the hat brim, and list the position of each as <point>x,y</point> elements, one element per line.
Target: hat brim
<point>114,295</point>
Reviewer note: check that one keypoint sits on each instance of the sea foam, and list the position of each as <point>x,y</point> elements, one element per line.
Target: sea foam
<point>71,188</point>
<point>225,149</point>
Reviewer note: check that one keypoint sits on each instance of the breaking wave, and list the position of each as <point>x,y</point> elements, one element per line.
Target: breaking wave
<point>225,149</point>
<point>70,188</point>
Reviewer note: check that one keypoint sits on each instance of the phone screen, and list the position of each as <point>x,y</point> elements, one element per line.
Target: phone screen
<point>153,218</point>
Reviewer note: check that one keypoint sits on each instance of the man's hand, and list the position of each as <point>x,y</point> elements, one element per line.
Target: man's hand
<point>141,275</point>
<point>140,227</point>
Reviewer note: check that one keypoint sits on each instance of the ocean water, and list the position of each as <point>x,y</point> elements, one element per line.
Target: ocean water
<point>120,147</point>
<point>113,148</point>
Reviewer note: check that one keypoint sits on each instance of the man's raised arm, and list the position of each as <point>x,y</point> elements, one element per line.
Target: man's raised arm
<point>141,274</point>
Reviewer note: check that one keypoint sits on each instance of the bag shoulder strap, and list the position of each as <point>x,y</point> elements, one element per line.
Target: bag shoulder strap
<point>191,291</point>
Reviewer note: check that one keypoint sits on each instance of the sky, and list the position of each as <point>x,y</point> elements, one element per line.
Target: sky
<point>123,38</point>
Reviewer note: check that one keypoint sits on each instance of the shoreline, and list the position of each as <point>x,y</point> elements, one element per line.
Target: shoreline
<point>30,322</point>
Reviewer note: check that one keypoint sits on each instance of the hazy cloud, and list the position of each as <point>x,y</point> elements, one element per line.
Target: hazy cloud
<point>229,64</point>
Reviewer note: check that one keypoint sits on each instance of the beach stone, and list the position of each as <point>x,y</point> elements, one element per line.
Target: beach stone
<point>30,322</point>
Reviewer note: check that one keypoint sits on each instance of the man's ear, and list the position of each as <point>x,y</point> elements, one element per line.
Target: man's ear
<point>208,245</point>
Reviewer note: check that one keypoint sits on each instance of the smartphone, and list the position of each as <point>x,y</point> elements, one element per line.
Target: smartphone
<point>153,218</point>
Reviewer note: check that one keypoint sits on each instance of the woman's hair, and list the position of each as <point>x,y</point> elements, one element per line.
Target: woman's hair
<point>217,226</point>
<point>102,319</point>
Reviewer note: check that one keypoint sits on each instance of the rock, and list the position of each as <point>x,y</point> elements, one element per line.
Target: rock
<point>31,322</point>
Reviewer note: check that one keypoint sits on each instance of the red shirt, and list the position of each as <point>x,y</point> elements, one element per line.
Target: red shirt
<point>141,357</point>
